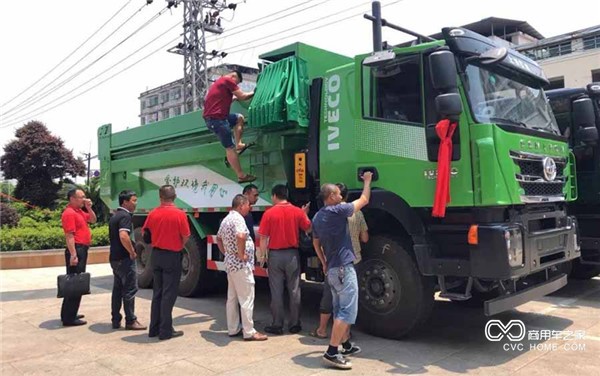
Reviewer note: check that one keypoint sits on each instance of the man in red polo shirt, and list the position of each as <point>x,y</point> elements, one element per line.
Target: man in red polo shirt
<point>168,230</point>
<point>221,122</point>
<point>280,232</point>
<point>78,238</point>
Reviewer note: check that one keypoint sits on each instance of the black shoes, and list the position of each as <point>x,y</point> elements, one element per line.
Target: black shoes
<point>337,361</point>
<point>77,322</point>
<point>80,316</point>
<point>295,329</point>
<point>277,330</point>
<point>351,351</point>
<point>175,333</point>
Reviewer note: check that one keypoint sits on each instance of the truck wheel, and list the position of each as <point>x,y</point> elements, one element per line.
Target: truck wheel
<point>196,279</point>
<point>583,271</point>
<point>143,260</point>
<point>394,298</point>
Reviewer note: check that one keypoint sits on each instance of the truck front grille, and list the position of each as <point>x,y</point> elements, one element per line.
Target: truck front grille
<point>536,187</point>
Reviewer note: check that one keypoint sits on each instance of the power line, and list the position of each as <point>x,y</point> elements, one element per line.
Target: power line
<point>296,27</point>
<point>172,41</point>
<point>36,96</point>
<point>41,96</point>
<point>264,19</point>
<point>98,84</point>
<point>304,31</point>
<point>26,115</point>
<point>68,56</point>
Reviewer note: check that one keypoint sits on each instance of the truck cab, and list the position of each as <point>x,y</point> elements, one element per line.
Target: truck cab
<point>577,112</point>
<point>506,229</point>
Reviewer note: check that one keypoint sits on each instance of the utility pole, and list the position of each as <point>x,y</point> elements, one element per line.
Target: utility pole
<point>89,157</point>
<point>199,18</point>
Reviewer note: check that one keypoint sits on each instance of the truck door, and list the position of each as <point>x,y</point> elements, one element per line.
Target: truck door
<point>396,107</point>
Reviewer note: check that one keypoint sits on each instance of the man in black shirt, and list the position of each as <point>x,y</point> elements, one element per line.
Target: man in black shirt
<point>122,261</point>
<point>251,193</point>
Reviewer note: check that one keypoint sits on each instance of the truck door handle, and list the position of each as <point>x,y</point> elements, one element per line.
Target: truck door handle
<point>362,170</point>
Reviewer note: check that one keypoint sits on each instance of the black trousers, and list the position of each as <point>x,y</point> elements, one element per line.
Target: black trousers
<point>124,290</point>
<point>70,306</point>
<point>284,270</point>
<point>167,273</point>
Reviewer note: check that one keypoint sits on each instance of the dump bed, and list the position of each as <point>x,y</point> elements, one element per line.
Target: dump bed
<point>181,151</point>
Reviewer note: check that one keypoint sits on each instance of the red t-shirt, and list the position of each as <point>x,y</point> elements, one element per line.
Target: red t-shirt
<point>167,225</point>
<point>219,98</point>
<point>282,224</point>
<point>74,220</point>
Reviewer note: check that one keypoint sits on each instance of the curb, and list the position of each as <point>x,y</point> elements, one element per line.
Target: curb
<point>47,258</point>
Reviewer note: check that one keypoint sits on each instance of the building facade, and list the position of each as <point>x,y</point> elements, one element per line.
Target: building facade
<point>166,101</point>
<point>568,60</point>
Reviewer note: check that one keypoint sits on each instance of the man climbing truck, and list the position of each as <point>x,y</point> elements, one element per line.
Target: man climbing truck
<point>582,132</point>
<point>500,175</point>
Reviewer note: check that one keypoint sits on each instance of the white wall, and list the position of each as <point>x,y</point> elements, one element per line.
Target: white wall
<point>576,68</point>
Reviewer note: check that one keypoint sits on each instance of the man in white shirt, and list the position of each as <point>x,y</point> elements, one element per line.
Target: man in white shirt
<point>234,241</point>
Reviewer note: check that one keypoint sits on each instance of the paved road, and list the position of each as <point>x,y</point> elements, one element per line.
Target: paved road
<point>33,341</point>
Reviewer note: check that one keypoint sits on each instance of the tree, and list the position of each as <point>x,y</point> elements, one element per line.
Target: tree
<point>93,193</point>
<point>7,189</point>
<point>8,215</point>
<point>35,159</point>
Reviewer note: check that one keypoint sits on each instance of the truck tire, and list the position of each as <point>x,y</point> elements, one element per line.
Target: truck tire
<point>196,279</point>
<point>394,298</point>
<point>143,260</point>
<point>583,271</point>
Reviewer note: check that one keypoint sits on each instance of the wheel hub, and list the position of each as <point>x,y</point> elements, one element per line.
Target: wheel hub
<point>378,284</point>
<point>143,254</point>
<point>185,264</point>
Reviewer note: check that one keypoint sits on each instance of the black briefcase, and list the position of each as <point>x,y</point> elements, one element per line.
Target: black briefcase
<point>73,285</point>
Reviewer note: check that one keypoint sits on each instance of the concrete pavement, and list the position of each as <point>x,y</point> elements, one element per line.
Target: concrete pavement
<point>33,341</point>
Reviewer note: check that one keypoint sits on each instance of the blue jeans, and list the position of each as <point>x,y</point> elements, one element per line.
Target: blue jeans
<point>222,129</point>
<point>344,288</point>
<point>124,290</point>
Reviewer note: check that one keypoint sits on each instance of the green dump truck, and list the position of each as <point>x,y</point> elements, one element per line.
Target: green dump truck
<point>582,131</point>
<point>321,117</point>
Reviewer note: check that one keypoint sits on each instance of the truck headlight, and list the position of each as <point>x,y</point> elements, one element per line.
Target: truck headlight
<point>514,246</point>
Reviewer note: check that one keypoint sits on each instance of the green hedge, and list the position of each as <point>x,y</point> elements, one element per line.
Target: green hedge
<point>42,236</point>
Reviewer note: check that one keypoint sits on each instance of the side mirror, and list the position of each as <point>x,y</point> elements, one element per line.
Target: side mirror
<point>442,68</point>
<point>593,88</point>
<point>583,113</point>
<point>587,135</point>
<point>448,105</point>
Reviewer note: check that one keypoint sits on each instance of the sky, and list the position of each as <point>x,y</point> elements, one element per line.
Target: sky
<point>36,35</point>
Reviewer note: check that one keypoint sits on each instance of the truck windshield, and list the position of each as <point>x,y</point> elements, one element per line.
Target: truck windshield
<point>498,99</point>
